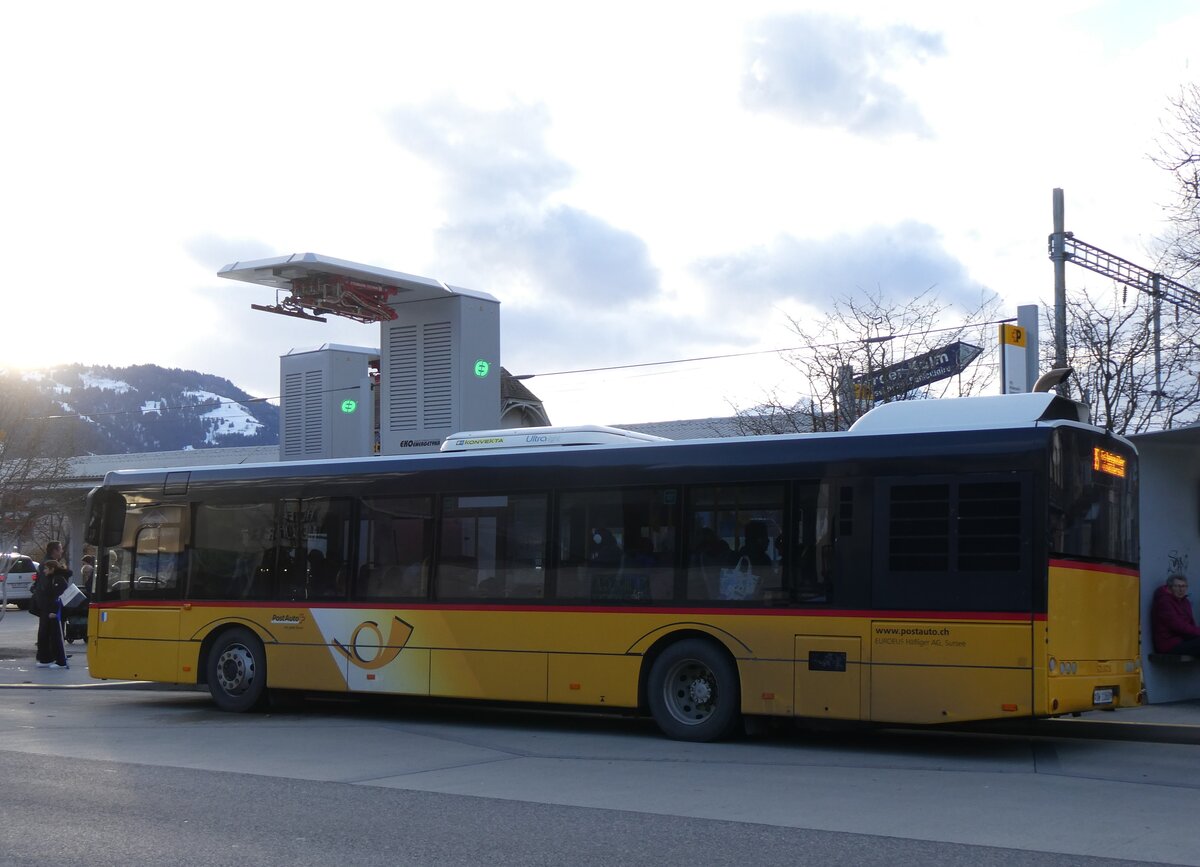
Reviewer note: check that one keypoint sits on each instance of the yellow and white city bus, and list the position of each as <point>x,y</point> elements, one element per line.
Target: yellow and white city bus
<point>943,561</point>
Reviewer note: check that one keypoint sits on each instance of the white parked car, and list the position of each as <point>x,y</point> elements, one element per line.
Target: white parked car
<point>18,572</point>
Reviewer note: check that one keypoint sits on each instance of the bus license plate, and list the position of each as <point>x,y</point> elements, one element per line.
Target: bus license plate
<point>1103,695</point>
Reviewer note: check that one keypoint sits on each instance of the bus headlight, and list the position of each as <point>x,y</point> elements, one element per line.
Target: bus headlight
<point>1053,664</point>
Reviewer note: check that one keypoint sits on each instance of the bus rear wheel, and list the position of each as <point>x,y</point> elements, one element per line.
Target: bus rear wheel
<point>237,671</point>
<point>693,691</point>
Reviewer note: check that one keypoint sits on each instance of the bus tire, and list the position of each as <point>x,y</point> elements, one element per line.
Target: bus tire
<point>237,670</point>
<point>693,691</point>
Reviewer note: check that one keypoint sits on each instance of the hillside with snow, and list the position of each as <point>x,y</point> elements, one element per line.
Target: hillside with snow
<point>144,408</point>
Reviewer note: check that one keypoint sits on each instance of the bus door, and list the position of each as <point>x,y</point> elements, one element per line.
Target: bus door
<point>144,574</point>
<point>828,666</point>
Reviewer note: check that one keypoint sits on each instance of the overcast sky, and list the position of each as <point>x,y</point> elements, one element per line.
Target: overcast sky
<point>633,181</point>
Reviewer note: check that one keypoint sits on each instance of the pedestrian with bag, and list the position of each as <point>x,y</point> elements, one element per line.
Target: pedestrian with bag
<point>46,592</point>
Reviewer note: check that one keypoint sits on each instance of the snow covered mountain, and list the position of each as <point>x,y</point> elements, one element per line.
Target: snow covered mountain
<point>144,408</point>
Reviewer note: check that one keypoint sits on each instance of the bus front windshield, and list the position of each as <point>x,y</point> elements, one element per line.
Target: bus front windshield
<point>1093,497</point>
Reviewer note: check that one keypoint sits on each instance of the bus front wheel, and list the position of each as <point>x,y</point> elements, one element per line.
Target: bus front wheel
<point>693,691</point>
<point>237,670</point>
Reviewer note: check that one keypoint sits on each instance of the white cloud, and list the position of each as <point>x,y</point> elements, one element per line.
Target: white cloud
<point>499,182</point>
<point>899,262</point>
<point>829,71</point>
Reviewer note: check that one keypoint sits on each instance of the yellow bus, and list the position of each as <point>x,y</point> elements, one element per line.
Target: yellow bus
<point>942,561</point>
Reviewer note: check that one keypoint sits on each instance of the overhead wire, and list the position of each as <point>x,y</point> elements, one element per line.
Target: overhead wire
<point>761,351</point>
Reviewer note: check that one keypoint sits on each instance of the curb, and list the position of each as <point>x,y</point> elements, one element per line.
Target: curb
<point>136,685</point>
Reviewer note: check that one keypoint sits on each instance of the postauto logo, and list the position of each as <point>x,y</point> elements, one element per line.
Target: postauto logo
<point>370,652</point>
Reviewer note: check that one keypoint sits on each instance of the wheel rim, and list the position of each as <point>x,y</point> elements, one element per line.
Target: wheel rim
<point>690,692</point>
<point>235,669</point>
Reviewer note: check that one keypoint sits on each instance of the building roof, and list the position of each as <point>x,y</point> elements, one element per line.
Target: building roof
<point>512,388</point>
<point>688,428</point>
<point>88,469</point>
<point>1182,436</point>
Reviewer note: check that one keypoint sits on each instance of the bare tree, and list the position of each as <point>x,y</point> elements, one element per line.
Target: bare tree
<point>1110,345</point>
<point>1179,154</point>
<point>862,335</point>
<point>34,462</point>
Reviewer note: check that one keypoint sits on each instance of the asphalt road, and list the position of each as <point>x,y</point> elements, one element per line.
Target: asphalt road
<point>97,774</point>
<point>115,813</point>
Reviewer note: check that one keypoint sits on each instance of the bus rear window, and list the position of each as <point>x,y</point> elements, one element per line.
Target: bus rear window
<point>1093,498</point>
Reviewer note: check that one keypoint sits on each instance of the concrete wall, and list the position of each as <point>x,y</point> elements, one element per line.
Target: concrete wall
<point>1170,518</point>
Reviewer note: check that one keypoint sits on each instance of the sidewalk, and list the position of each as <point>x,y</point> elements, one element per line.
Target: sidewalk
<point>1169,713</point>
<point>18,656</point>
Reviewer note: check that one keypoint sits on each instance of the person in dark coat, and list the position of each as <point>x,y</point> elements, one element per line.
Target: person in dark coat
<point>50,585</point>
<point>1171,618</point>
<point>757,543</point>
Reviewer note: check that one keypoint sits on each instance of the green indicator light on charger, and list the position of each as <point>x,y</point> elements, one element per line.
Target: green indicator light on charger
<point>482,368</point>
<point>349,405</point>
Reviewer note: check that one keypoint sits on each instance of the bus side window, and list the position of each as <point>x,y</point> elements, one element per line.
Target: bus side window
<point>736,544</point>
<point>316,532</point>
<point>235,553</point>
<point>617,545</point>
<point>395,548</point>
<point>492,547</point>
<point>812,544</point>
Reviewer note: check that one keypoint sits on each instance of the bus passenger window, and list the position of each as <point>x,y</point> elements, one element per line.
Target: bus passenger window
<point>395,548</point>
<point>314,563</point>
<point>736,544</point>
<point>493,547</point>
<point>617,545</point>
<point>235,554</point>
<point>813,547</point>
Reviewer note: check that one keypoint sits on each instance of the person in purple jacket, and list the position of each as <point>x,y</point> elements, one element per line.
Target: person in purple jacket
<point>1175,629</point>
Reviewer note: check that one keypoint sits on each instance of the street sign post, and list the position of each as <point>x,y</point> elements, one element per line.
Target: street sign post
<point>897,379</point>
<point>1013,340</point>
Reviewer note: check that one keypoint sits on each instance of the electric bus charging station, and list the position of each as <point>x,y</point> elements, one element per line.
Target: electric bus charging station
<point>437,370</point>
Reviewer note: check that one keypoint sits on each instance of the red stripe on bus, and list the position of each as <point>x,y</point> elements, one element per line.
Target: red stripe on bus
<point>1014,617</point>
<point>1094,567</point>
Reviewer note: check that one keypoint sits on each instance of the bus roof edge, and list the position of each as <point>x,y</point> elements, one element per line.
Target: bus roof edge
<point>542,437</point>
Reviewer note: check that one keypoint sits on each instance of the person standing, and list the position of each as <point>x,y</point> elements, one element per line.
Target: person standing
<point>1175,629</point>
<point>49,587</point>
<point>85,573</point>
<point>54,551</point>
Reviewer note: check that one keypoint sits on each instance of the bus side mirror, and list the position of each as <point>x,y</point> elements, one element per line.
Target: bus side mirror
<point>105,523</point>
